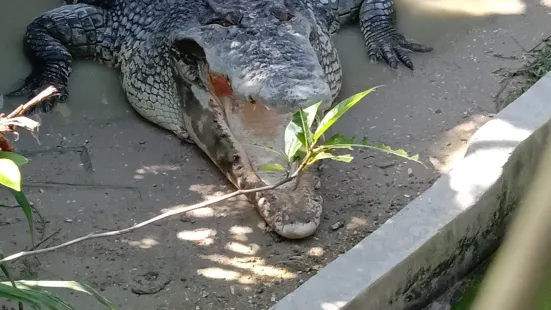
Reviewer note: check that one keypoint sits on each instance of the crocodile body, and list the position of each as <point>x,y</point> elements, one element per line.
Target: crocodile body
<point>225,75</point>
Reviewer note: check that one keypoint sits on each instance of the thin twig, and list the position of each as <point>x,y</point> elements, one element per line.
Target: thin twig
<point>52,91</point>
<point>46,239</point>
<point>17,119</point>
<point>517,42</point>
<point>19,111</point>
<point>154,219</point>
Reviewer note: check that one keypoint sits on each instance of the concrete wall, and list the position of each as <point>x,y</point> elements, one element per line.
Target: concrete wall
<point>448,229</point>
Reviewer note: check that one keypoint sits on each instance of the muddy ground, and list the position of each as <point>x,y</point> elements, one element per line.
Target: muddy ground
<point>98,166</point>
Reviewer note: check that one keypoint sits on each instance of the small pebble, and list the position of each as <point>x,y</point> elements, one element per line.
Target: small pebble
<point>68,220</point>
<point>337,225</point>
<point>318,185</point>
<point>385,165</point>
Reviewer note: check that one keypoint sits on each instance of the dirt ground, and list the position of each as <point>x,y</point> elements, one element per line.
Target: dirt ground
<point>97,166</point>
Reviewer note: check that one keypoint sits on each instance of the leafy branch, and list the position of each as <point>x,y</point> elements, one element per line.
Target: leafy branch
<point>303,147</point>
<point>301,144</point>
<point>29,292</point>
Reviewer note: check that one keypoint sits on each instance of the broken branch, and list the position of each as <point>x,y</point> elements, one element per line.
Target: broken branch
<point>43,95</point>
<point>16,118</point>
<point>154,219</point>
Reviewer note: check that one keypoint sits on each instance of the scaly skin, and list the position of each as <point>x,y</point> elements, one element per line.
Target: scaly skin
<point>220,74</point>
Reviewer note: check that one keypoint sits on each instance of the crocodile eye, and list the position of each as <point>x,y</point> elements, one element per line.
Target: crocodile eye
<point>222,22</point>
<point>282,14</point>
<point>286,17</point>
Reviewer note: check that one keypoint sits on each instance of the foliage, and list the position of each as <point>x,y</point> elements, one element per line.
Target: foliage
<point>520,80</point>
<point>302,144</point>
<point>31,293</point>
<point>469,294</point>
<point>474,283</point>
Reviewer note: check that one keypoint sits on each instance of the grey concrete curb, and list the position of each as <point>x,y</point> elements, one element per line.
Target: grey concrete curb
<point>448,229</point>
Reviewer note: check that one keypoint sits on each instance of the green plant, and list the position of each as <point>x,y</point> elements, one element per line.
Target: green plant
<point>302,142</point>
<point>302,145</point>
<point>29,292</point>
<point>518,81</point>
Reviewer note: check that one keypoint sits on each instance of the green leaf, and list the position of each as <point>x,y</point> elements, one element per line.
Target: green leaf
<point>299,155</point>
<point>344,158</point>
<point>10,176</point>
<point>35,297</point>
<point>267,148</point>
<point>16,158</point>
<point>388,149</point>
<point>321,155</point>
<point>298,133</point>
<point>325,155</point>
<point>271,167</point>
<point>7,274</point>
<point>292,144</point>
<point>3,267</point>
<point>338,139</point>
<point>366,144</point>
<point>27,209</point>
<point>5,270</point>
<point>72,285</point>
<point>13,293</point>
<point>335,113</point>
<point>307,117</point>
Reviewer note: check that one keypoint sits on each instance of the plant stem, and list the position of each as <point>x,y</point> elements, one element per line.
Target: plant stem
<point>154,219</point>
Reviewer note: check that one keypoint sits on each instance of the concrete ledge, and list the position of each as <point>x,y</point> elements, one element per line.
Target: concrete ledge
<point>447,230</point>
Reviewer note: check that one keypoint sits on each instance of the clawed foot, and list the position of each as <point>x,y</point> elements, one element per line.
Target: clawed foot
<point>33,85</point>
<point>395,48</point>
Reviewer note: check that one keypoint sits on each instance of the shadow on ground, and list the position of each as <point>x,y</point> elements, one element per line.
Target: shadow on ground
<point>98,166</point>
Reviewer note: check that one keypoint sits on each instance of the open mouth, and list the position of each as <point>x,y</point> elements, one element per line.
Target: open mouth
<point>259,129</point>
<point>241,135</point>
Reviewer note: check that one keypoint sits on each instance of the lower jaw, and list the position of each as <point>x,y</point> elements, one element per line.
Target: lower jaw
<point>261,133</point>
<point>293,209</point>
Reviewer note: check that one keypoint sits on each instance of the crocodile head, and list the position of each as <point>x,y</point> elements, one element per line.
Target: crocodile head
<point>243,70</point>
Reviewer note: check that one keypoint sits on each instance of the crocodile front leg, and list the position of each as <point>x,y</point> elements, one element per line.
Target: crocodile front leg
<point>382,39</point>
<point>54,39</point>
<point>377,23</point>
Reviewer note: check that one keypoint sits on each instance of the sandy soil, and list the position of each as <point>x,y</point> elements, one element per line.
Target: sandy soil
<point>99,166</point>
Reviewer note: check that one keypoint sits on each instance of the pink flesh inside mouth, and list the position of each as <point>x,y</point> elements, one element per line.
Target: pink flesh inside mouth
<point>255,126</point>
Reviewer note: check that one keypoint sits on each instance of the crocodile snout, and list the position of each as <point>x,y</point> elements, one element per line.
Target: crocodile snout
<point>293,213</point>
<point>291,95</point>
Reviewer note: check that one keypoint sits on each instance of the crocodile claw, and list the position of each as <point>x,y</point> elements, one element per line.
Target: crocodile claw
<point>32,86</point>
<point>394,49</point>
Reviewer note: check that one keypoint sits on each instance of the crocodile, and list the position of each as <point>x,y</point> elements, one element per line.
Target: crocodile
<point>224,75</point>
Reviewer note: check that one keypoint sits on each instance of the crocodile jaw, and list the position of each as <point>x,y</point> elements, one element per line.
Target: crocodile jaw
<point>293,210</point>
<point>247,83</point>
<point>258,129</point>
<point>235,134</point>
